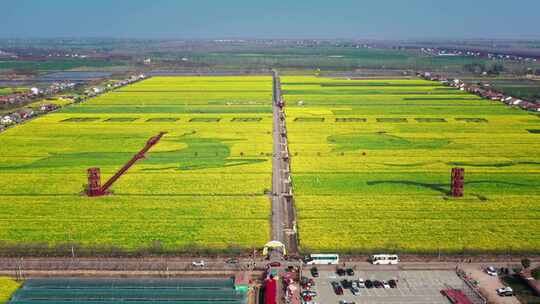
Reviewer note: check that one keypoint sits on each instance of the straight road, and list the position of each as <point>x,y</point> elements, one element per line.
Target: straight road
<point>283,214</point>
<point>12,265</point>
<point>278,222</point>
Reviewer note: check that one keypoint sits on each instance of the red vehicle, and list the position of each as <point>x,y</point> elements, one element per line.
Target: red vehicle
<point>456,296</point>
<point>307,284</point>
<point>337,288</point>
<point>270,291</point>
<point>274,264</point>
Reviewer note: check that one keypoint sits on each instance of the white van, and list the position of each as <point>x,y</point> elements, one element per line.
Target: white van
<point>384,259</point>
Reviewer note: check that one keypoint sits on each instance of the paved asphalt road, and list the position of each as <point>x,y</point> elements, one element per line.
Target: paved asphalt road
<point>277,183</point>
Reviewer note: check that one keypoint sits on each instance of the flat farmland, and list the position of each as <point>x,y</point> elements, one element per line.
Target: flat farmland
<point>371,162</point>
<point>202,185</point>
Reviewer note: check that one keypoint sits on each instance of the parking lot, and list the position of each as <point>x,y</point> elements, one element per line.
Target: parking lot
<point>421,287</point>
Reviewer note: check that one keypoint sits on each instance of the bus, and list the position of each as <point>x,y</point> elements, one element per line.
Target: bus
<point>321,259</point>
<point>384,259</point>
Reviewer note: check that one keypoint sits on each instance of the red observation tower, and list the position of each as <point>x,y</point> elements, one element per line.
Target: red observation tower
<point>457,182</point>
<point>94,187</point>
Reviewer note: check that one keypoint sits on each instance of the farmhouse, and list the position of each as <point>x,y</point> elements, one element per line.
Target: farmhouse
<point>26,113</point>
<point>516,102</point>
<point>48,107</point>
<point>530,106</point>
<point>71,98</point>
<point>35,91</point>
<point>490,94</point>
<point>485,92</point>
<point>97,90</point>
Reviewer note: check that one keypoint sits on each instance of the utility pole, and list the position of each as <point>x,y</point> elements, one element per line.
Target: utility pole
<point>71,243</point>
<point>19,273</point>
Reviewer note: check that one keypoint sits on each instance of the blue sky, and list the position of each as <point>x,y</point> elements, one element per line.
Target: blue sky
<point>381,19</point>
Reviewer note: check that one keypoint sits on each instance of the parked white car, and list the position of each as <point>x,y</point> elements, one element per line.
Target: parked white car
<point>491,271</point>
<point>198,263</point>
<point>505,292</point>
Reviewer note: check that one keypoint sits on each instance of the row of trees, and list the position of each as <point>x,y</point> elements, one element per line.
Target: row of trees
<point>480,68</point>
<point>498,68</point>
<point>526,263</point>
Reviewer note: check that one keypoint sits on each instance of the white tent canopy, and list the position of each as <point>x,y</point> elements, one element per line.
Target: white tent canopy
<point>274,245</point>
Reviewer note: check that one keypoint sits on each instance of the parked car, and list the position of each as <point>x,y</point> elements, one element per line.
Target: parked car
<point>378,284</point>
<point>293,258</point>
<point>232,261</point>
<point>505,292</point>
<point>350,271</point>
<point>392,283</point>
<point>273,264</point>
<point>360,283</point>
<point>385,284</point>
<point>198,263</point>
<point>340,272</point>
<point>346,284</point>
<point>309,293</point>
<point>491,271</point>
<point>337,288</point>
<point>369,284</point>
<point>346,302</point>
<point>355,290</point>
<point>307,284</point>
<point>314,272</point>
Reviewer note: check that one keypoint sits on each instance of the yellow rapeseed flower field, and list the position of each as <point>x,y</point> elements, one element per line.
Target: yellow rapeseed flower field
<point>7,288</point>
<point>203,185</point>
<point>371,163</point>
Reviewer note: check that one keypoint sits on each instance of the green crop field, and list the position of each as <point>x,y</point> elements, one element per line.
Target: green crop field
<point>202,185</point>
<point>371,162</point>
<point>11,90</point>
<point>60,64</point>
